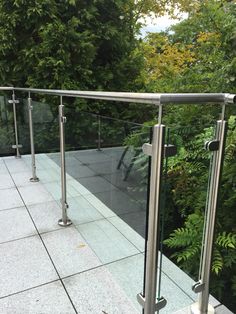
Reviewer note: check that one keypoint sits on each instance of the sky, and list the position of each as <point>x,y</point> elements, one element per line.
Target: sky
<point>159,24</point>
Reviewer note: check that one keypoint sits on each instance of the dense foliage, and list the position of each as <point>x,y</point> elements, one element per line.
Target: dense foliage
<point>198,55</point>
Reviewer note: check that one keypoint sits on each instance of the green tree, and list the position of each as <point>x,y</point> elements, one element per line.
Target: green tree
<point>66,44</point>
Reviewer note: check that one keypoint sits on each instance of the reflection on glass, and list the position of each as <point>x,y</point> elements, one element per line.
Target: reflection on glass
<point>185,181</point>
<point>107,176</point>
<point>7,129</point>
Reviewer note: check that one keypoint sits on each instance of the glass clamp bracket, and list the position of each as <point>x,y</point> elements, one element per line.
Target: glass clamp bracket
<point>169,150</point>
<point>17,146</point>
<point>212,145</point>
<point>63,119</point>
<point>161,302</point>
<point>15,101</point>
<point>198,287</point>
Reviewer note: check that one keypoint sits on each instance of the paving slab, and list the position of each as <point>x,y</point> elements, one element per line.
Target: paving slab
<point>24,264</point>
<point>46,299</point>
<point>137,221</point>
<point>3,168</point>
<point>79,171</point>
<point>34,194</point>
<point>96,184</point>
<point>99,205</point>
<point>223,310</point>
<point>46,215</point>
<point>114,152</point>
<point>48,175</point>
<point>118,201</point>
<point>22,178</point>
<point>133,236</point>
<point>96,291</point>
<point>106,241</point>
<point>6,181</point>
<point>81,211</point>
<point>10,198</point>
<point>105,167</point>
<point>17,224</point>
<point>91,156</point>
<point>16,165</point>
<point>69,251</point>
<point>129,274</point>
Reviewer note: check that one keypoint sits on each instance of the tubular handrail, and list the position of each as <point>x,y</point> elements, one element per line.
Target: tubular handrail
<point>146,98</point>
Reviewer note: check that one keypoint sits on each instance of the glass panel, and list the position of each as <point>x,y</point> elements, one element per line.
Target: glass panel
<point>185,180</point>
<point>223,279</point>
<point>7,127</point>
<point>107,193</point>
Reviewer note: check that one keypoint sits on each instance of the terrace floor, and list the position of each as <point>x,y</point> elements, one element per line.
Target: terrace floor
<point>95,265</point>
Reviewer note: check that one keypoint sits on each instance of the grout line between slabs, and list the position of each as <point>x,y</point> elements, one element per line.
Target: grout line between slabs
<point>45,248</point>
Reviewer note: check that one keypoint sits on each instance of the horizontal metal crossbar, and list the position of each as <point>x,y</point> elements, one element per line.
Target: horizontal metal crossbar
<point>145,98</point>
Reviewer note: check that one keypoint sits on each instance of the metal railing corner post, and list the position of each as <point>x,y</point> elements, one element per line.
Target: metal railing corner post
<point>149,300</point>
<point>16,146</point>
<point>99,140</point>
<point>202,286</point>
<point>34,177</point>
<point>64,221</point>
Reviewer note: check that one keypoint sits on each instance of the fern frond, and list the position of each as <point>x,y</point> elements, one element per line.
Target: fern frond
<point>226,240</point>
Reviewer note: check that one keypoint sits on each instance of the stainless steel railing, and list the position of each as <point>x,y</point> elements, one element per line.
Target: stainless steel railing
<point>156,151</point>
<point>145,98</point>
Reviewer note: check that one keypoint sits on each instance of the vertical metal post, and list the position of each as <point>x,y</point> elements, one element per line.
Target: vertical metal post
<point>217,145</point>
<point>99,133</point>
<point>14,101</point>
<point>64,221</point>
<point>149,301</point>
<point>31,128</point>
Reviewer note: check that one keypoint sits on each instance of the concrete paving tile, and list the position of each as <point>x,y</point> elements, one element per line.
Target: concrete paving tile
<point>16,165</point>
<point>17,224</point>
<point>54,188</point>
<point>48,175</point>
<point>96,184</point>
<point>129,274</point>
<point>71,190</point>
<point>105,167</point>
<point>91,156</point>
<point>223,310</point>
<point>96,292</point>
<point>135,238</point>
<point>69,252</point>
<point>99,205</point>
<point>46,215</point>
<point>71,161</point>
<point>81,211</point>
<point>6,181</point>
<point>178,276</point>
<point>24,264</point>
<point>22,178</point>
<point>79,171</point>
<point>46,162</point>
<point>114,152</point>
<point>10,198</point>
<point>3,168</point>
<point>137,221</point>
<point>46,299</point>
<point>106,241</point>
<point>28,161</point>
<point>35,193</point>
<point>78,187</point>
<point>117,179</point>
<point>118,201</point>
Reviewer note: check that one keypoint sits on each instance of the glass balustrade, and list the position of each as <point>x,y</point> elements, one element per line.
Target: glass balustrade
<point>112,189</point>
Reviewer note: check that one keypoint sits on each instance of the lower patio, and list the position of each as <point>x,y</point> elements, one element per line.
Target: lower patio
<point>94,266</point>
